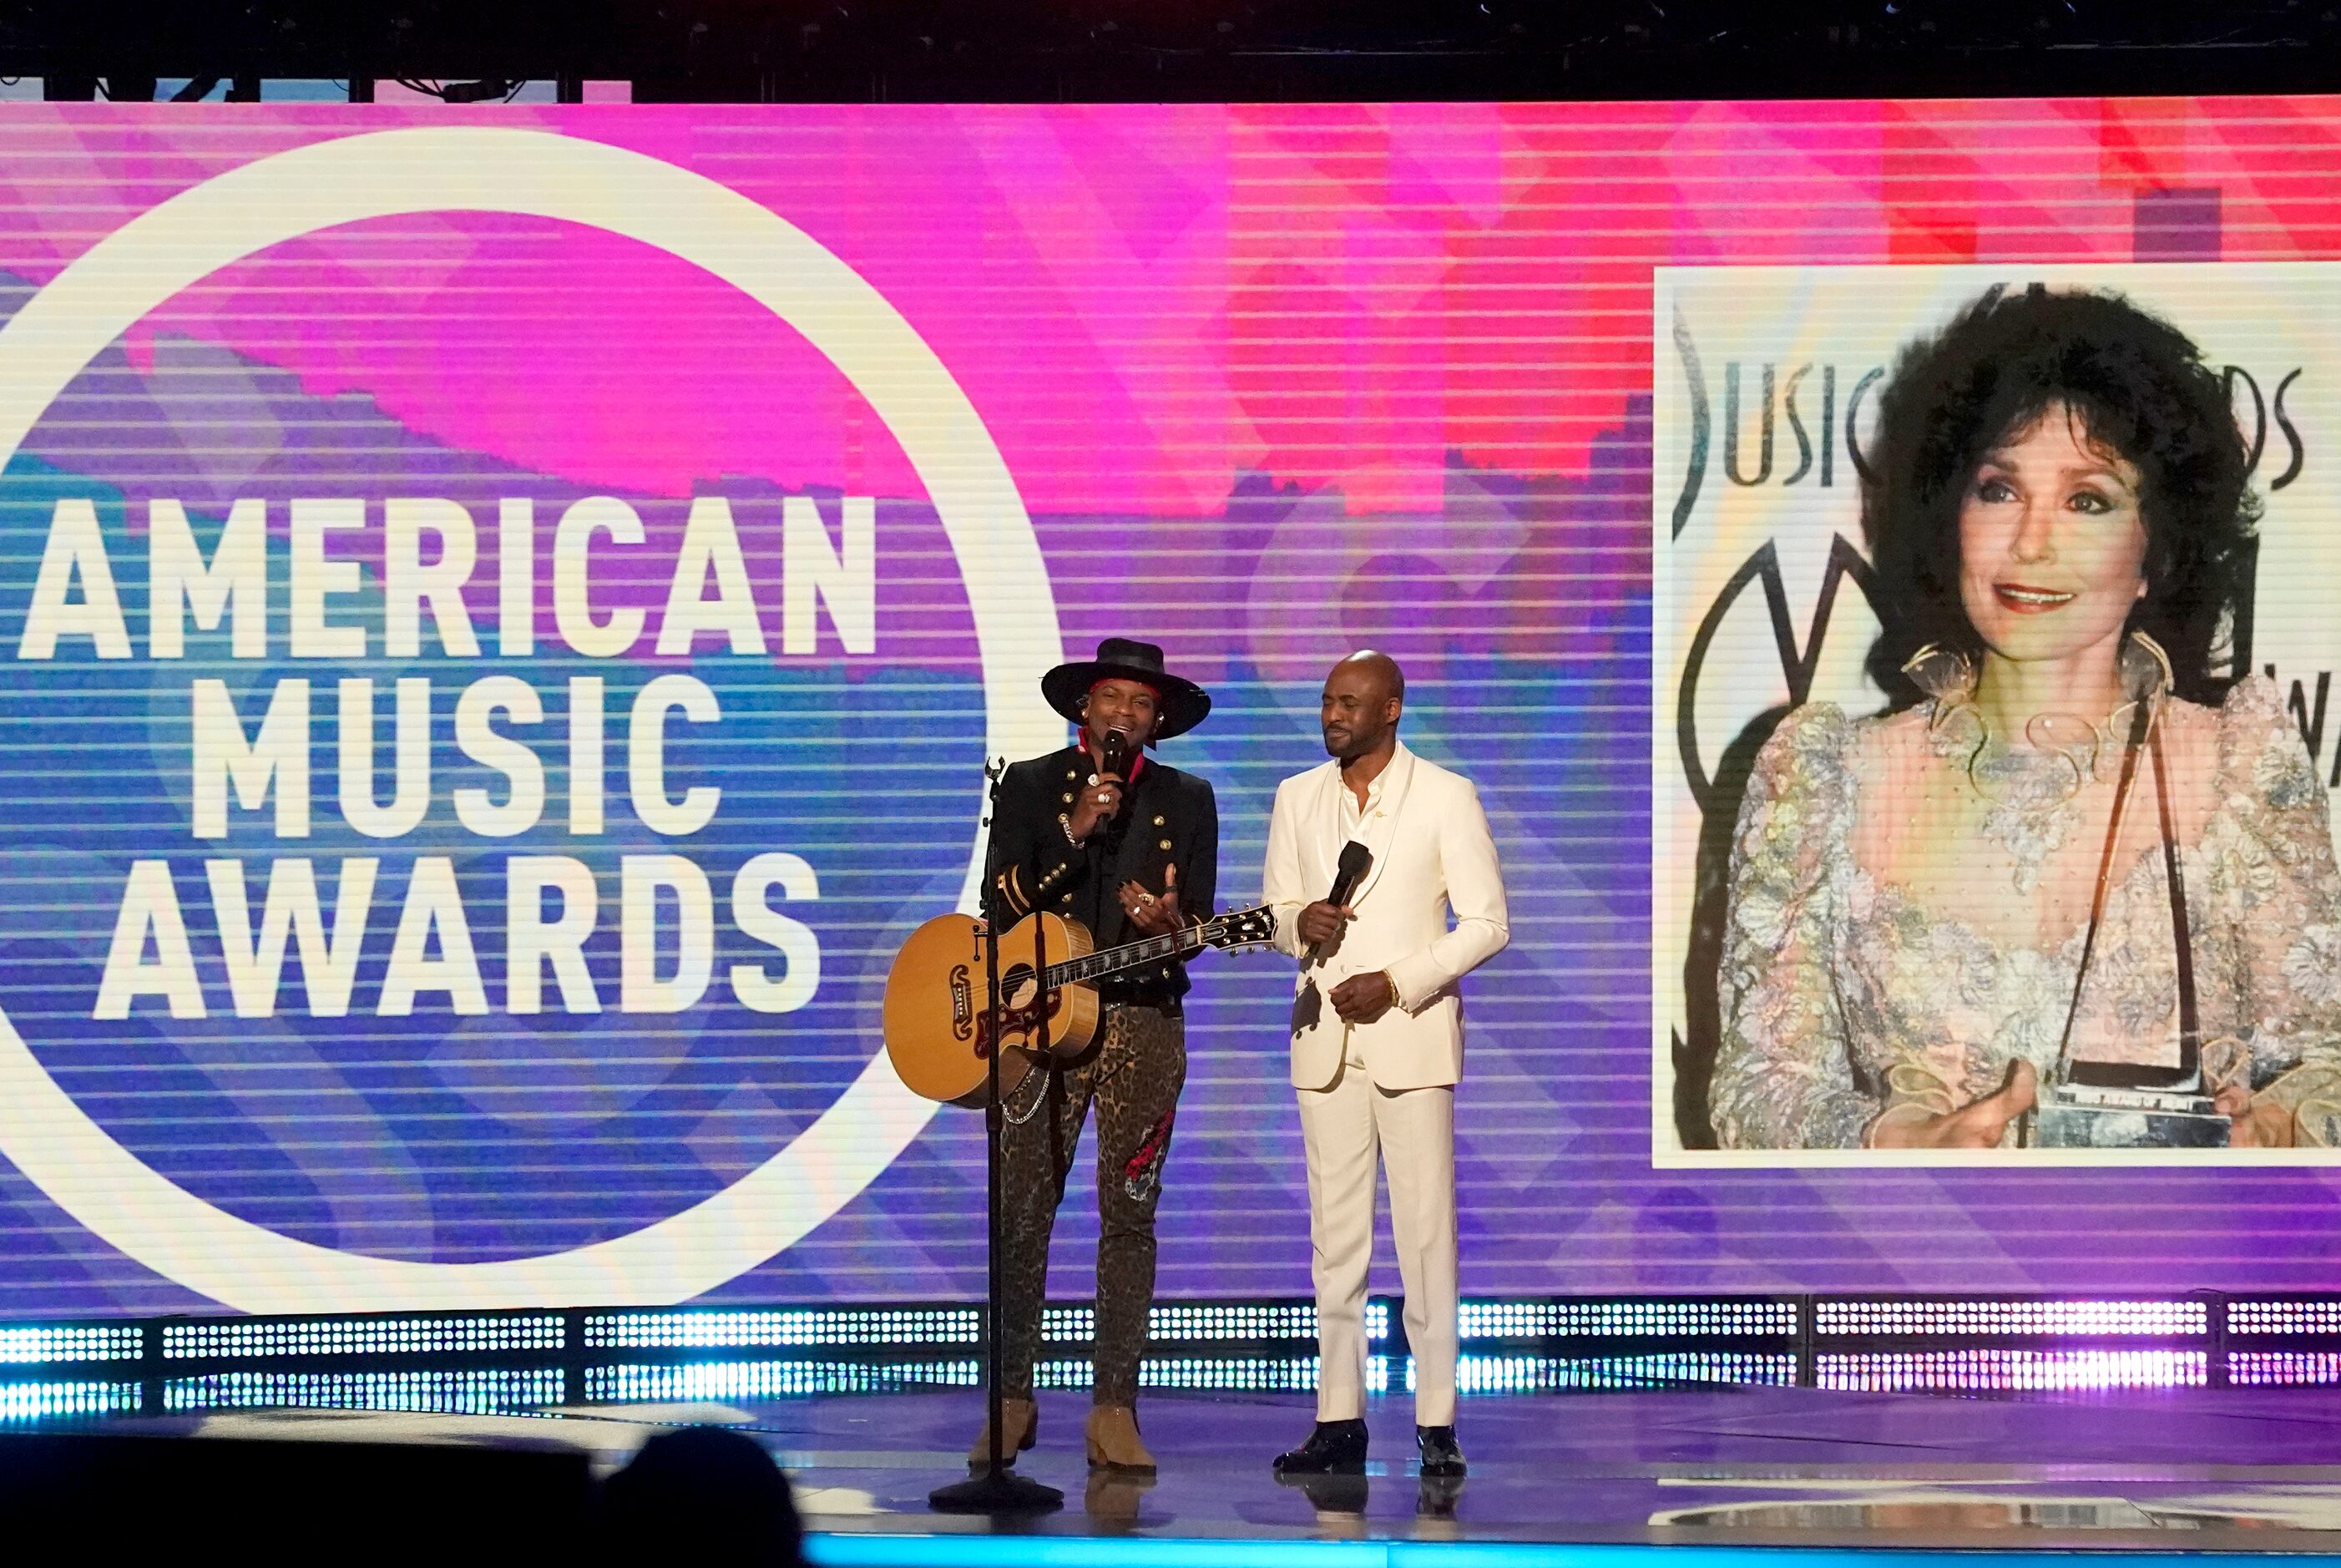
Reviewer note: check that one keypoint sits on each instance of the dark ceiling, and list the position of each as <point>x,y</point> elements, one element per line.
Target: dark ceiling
<point>1049,50</point>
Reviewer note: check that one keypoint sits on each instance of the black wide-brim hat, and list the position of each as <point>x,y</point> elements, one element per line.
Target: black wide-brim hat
<point>1184,704</point>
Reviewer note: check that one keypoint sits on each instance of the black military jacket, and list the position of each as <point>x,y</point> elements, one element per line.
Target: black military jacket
<point>1167,818</point>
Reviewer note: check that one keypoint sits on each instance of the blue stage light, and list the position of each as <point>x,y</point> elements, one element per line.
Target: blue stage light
<point>1027,1551</point>
<point>1268,1345</point>
<point>35,1401</point>
<point>30,1342</point>
<point>1262,1322</point>
<point>1227,1374</point>
<point>484,1392</point>
<point>461,1393</point>
<point>251,1339</point>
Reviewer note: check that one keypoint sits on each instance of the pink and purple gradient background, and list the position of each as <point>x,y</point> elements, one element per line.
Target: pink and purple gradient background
<point>1273,382</point>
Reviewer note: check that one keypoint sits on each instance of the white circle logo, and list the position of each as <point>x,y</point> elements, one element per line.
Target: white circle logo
<point>532,173</point>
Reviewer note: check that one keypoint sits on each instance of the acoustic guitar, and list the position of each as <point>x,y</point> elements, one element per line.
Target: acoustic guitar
<point>935,1016</point>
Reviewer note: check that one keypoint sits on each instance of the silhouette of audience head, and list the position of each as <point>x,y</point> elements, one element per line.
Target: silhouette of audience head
<point>700,1494</point>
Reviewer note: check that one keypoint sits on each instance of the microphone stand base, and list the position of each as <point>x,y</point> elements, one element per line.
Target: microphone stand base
<point>996,1488</point>
<point>995,1492</point>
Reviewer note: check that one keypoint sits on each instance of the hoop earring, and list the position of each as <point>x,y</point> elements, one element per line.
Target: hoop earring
<point>1947,677</point>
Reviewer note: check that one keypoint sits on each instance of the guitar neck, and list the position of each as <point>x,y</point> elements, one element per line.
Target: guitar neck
<point>1129,955</point>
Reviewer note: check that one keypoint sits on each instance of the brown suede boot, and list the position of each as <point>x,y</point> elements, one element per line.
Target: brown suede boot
<point>1020,1425</point>
<point>1113,1439</point>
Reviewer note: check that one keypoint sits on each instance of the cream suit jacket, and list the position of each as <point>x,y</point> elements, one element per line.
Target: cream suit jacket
<point>1432,853</point>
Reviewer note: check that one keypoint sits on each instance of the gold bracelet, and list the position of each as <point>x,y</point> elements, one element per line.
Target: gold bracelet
<point>1392,985</point>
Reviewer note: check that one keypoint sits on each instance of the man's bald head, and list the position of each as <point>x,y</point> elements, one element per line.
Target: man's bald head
<point>1380,667</point>
<point>1359,709</point>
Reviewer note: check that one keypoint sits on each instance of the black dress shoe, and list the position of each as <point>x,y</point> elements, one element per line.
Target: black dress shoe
<point>1443,1457</point>
<point>1335,1447</point>
<point>1437,1496</point>
<point>1342,1494</point>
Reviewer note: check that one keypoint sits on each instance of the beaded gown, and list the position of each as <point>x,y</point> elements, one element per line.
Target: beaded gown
<point>1843,991</point>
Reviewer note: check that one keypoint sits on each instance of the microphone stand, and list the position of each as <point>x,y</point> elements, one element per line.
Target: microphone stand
<point>997,1489</point>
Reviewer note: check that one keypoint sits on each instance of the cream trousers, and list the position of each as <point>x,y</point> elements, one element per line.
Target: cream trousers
<point>1344,1126</point>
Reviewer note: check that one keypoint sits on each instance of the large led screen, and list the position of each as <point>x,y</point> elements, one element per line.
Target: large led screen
<point>509,610</point>
<point>1897,937</point>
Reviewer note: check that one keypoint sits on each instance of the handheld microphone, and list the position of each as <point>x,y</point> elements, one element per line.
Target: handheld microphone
<point>1115,759</point>
<point>1355,858</point>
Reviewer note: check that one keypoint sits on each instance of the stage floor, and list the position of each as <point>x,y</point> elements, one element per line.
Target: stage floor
<point>2162,1469</point>
<point>2179,1469</point>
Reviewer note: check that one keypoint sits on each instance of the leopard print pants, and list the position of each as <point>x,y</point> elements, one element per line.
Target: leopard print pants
<point>1134,1074</point>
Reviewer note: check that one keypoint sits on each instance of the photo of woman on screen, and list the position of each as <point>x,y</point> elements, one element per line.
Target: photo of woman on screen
<point>2057,512</point>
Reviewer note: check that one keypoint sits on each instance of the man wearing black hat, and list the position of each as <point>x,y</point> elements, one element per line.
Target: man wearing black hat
<point>1130,851</point>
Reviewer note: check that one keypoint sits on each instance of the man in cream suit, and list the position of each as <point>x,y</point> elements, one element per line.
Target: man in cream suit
<point>1378,1037</point>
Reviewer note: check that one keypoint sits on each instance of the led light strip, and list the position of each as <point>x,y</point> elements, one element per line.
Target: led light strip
<point>823,1328</point>
<point>439,1392</point>
<point>97,1341</point>
<point>770,1380</point>
<point>37,1401</point>
<point>2014,1370</point>
<point>1528,1326</point>
<point>260,1338</point>
<point>1952,1318</point>
<point>1627,1320</point>
<point>2247,1315</point>
<point>2283,1368</point>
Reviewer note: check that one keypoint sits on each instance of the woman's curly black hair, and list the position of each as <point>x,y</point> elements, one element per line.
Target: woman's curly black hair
<point>2139,387</point>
